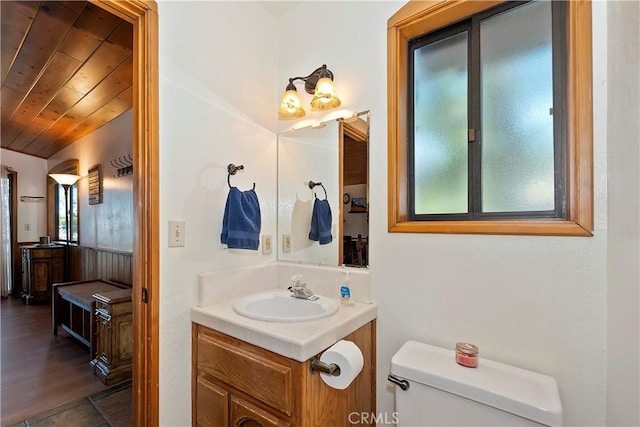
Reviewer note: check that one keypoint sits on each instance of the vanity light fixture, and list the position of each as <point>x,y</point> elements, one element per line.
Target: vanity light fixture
<point>319,84</point>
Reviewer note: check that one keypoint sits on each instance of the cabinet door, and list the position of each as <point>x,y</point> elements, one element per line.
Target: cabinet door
<point>122,340</point>
<point>212,404</point>
<point>244,414</point>
<point>40,275</point>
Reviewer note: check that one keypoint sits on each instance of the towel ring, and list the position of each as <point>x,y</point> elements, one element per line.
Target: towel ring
<point>232,169</point>
<point>315,184</point>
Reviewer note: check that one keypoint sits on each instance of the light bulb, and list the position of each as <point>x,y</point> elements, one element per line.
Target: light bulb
<point>290,107</point>
<point>325,96</point>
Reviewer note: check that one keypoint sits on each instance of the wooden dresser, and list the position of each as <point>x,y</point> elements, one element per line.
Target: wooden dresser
<point>114,318</point>
<point>42,265</point>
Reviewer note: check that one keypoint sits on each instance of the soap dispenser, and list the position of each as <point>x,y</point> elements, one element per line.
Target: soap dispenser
<point>346,290</point>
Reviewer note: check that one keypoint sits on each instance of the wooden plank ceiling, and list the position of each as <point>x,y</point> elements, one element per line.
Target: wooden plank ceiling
<point>67,69</point>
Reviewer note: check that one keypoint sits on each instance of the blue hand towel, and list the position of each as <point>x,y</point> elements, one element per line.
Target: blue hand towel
<point>241,221</point>
<point>321,222</point>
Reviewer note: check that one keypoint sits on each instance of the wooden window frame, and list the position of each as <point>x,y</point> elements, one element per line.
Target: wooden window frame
<point>420,17</point>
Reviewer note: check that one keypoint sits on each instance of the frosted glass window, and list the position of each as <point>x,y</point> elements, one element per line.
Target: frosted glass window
<point>483,143</point>
<point>528,118</point>
<point>440,127</point>
<point>517,101</point>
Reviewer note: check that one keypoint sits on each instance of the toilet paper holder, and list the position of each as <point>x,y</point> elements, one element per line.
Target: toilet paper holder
<point>327,368</point>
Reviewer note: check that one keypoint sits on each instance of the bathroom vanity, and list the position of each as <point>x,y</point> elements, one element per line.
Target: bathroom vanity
<point>239,384</point>
<point>248,371</point>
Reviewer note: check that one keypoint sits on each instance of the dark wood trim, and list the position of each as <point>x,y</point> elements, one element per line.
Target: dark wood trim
<point>16,285</point>
<point>144,17</point>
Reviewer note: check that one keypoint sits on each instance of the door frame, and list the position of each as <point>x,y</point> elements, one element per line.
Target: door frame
<point>144,17</point>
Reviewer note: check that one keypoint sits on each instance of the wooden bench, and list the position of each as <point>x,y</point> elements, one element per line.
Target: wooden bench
<point>74,309</point>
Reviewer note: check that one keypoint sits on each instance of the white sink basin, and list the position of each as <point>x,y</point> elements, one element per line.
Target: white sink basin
<point>279,306</point>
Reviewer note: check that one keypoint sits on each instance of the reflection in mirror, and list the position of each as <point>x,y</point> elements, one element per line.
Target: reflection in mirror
<point>354,168</point>
<point>335,154</point>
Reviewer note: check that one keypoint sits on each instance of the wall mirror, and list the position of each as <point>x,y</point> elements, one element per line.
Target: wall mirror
<point>334,156</point>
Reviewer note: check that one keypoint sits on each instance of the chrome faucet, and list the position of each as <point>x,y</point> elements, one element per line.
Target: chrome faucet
<point>299,289</point>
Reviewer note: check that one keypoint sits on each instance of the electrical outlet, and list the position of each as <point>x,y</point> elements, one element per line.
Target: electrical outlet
<point>286,243</point>
<point>266,244</point>
<point>176,233</point>
<point>27,227</point>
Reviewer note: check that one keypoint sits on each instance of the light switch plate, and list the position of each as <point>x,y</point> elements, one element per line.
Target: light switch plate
<point>176,233</point>
<point>266,244</point>
<point>286,243</point>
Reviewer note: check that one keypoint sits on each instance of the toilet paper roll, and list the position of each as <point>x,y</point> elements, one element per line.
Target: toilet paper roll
<point>348,357</point>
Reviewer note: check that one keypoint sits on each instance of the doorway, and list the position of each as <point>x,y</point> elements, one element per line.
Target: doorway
<point>145,294</point>
<point>143,17</point>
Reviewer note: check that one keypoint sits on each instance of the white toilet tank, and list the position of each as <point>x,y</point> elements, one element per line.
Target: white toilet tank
<point>444,393</point>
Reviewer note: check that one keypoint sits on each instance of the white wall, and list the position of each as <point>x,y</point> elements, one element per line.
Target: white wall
<point>218,91</point>
<point>32,181</point>
<point>623,188</point>
<point>107,225</point>
<point>534,302</point>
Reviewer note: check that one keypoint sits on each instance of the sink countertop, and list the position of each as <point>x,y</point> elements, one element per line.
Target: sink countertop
<point>296,340</point>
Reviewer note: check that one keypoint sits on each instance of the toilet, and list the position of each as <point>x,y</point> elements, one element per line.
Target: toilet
<point>433,390</point>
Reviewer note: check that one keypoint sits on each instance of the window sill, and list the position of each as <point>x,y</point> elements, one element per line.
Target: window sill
<point>531,228</point>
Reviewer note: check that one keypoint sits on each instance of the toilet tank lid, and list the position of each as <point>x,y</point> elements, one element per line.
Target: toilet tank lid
<point>524,393</point>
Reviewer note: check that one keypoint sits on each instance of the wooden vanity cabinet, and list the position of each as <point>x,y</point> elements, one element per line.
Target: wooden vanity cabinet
<point>237,384</point>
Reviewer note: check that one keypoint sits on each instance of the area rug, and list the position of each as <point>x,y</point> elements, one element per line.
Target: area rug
<point>115,405</point>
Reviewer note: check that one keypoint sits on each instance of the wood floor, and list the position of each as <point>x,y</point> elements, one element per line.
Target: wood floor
<point>39,371</point>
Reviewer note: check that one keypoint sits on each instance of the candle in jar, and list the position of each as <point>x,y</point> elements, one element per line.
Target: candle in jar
<point>467,354</point>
